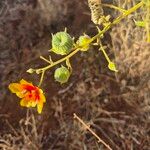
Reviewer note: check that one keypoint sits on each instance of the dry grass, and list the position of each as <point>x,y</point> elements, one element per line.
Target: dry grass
<point>115,106</point>
<point>26,136</point>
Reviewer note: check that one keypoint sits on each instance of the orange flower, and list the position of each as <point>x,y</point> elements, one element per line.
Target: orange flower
<point>30,95</point>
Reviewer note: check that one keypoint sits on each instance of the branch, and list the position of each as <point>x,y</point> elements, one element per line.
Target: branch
<point>100,33</point>
<point>92,132</point>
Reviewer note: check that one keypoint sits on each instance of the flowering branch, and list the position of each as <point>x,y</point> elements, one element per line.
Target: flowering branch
<point>63,44</point>
<point>77,48</point>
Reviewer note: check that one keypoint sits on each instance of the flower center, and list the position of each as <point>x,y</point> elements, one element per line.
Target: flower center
<point>32,92</point>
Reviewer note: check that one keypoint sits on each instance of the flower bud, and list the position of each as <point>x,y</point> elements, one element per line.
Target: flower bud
<point>112,67</point>
<point>30,70</point>
<point>83,42</point>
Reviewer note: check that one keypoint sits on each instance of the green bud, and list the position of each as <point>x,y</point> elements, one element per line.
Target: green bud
<point>83,42</point>
<point>30,70</point>
<point>62,43</point>
<point>112,67</point>
<point>62,74</point>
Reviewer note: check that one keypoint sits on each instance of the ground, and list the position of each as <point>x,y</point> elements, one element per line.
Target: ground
<point>115,105</point>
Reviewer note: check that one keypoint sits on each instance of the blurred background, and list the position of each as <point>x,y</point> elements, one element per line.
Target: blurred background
<point>116,105</point>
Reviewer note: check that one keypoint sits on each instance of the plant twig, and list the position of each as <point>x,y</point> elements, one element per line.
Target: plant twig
<point>59,61</point>
<point>45,59</point>
<point>105,54</point>
<point>92,132</point>
<point>114,7</point>
<point>41,79</point>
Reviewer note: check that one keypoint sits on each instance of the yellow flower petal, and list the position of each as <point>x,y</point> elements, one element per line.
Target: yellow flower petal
<point>15,87</point>
<point>39,107</point>
<point>20,94</point>
<point>24,102</point>
<point>42,97</point>
<point>31,103</point>
<point>24,82</point>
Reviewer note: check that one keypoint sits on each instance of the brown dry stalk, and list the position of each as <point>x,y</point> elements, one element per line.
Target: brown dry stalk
<point>92,132</point>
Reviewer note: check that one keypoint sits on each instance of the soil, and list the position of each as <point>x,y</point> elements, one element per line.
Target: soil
<point>115,105</point>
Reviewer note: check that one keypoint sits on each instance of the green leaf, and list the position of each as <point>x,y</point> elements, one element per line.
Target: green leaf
<point>140,23</point>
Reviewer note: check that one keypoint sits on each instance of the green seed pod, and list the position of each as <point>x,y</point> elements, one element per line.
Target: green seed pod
<point>62,74</point>
<point>62,43</point>
<point>83,42</point>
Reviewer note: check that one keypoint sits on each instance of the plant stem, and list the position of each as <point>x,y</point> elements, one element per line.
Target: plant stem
<point>106,56</point>
<point>114,7</point>
<point>41,79</point>
<point>59,61</point>
<point>117,20</point>
<point>45,59</point>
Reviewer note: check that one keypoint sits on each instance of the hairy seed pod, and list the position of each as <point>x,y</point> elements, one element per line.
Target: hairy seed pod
<point>62,43</point>
<point>96,11</point>
<point>62,74</point>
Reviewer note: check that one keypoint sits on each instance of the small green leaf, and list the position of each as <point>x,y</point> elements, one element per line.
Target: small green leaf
<point>62,74</point>
<point>112,66</point>
<point>140,23</point>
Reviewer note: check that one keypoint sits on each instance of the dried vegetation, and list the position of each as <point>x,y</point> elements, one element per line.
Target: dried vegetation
<point>116,106</point>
